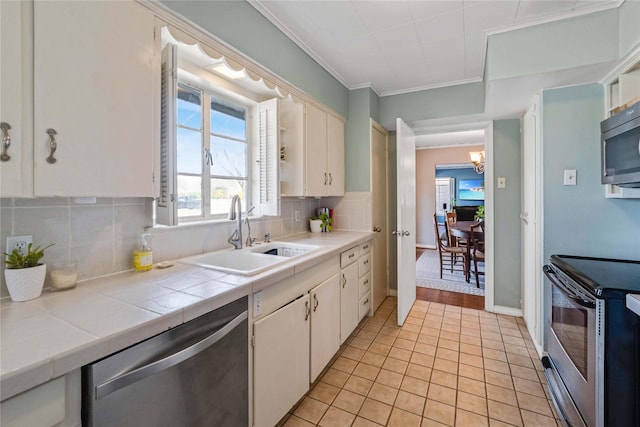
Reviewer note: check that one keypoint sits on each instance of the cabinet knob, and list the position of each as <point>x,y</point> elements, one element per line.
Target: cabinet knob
<point>6,141</point>
<point>53,145</point>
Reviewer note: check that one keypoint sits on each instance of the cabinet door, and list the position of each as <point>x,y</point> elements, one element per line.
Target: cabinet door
<point>16,165</point>
<point>316,152</point>
<point>94,85</point>
<point>280,361</point>
<point>348,301</point>
<point>325,324</point>
<point>335,156</point>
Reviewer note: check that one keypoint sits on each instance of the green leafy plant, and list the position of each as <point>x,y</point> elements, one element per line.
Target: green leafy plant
<point>15,260</point>
<point>326,220</point>
<point>480,212</point>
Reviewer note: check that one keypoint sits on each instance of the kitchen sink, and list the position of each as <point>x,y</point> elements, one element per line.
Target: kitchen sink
<point>249,261</point>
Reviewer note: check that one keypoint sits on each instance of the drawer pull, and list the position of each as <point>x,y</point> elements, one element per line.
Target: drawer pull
<point>351,256</point>
<point>366,302</point>
<point>316,303</point>
<point>344,280</point>
<point>365,283</point>
<point>307,310</point>
<point>366,261</point>
<point>365,247</point>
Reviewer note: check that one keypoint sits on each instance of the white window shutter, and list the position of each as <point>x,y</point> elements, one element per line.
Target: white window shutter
<point>166,213</point>
<point>269,158</point>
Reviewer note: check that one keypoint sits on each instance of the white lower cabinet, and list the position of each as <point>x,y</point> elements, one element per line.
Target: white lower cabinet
<point>325,324</point>
<point>281,361</point>
<point>348,301</point>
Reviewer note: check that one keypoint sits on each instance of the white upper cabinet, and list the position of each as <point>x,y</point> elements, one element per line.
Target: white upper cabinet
<point>94,93</point>
<point>324,153</point>
<point>16,166</point>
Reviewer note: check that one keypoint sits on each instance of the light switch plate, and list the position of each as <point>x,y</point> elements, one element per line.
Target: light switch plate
<point>502,182</point>
<point>570,177</point>
<point>258,297</point>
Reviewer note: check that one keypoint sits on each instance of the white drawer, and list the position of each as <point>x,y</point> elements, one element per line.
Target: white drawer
<point>365,247</point>
<point>364,265</point>
<point>365,306</point>
<point>349,256</point>
<point>364,285</point>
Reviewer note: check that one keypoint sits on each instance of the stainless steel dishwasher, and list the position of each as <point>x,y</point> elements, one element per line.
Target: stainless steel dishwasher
<point>195,374</point>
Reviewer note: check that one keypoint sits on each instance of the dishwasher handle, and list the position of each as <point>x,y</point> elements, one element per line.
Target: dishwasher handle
<point>146,371</point>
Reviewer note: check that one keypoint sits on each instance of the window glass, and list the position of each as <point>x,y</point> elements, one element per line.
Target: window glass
<point>189,107</point>
<point>189,196</point>
<point>228,120</point>
<point>222,191</point>
<point>229,157</point>
<point>189,151</point>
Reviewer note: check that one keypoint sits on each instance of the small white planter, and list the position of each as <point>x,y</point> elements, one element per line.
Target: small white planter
<point>25,283</point>
<point>316,225</point>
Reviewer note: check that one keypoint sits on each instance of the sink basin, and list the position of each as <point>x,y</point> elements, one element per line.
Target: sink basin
<point>249,261</point>
<point>284,249</point>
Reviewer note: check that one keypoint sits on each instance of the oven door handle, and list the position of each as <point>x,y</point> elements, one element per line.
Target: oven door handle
<point>143,372</point>
<point>551,275</point>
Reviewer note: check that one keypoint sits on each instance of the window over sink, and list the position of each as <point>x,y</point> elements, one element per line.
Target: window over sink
<point>219,137</point>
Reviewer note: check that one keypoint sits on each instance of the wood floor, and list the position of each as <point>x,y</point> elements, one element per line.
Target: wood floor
<point>451,298</point>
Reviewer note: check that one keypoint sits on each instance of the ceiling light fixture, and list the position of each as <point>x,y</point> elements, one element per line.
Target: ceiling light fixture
<point>477,158</point>
<point>225,70</point>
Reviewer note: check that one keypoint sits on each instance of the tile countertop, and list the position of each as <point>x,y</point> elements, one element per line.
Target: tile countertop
<point>61,331</point>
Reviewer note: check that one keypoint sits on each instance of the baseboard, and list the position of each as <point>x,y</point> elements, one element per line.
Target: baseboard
<point>425,246</point>
<point>507,311</point>
<point>393,292</point>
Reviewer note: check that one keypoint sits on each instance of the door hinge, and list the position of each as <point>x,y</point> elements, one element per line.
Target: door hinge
<point>253,340</point>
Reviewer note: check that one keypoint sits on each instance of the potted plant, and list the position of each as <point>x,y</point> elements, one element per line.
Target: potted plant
<point>24,273</point>
<point>480,213</point>
<point>320,223</point>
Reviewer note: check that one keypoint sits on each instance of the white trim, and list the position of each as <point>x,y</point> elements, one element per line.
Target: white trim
<point>623,66</point>
<point>507,311</point>
<point>489,298</point>
<point>430,147</point>
<point>434,86</point>
<point>393,292</point>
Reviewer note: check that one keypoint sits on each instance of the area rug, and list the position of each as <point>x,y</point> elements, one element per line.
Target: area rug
<point>428,276</point>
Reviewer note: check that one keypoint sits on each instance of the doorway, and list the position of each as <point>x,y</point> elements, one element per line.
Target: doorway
<point>446,151</point>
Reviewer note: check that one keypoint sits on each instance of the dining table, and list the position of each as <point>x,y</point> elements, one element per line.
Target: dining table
<point>462,230</point>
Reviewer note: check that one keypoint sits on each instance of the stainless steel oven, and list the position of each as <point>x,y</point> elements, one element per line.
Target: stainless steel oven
<point>593,340</point>
<point>571,346</point>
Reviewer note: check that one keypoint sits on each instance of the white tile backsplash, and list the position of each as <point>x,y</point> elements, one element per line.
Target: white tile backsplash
<point>101,236</point>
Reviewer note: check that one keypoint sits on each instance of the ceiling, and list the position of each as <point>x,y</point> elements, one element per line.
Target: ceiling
<point>398,46</point>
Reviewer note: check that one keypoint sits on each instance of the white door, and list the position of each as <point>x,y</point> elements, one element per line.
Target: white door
<point>380,272</point>
<point>325,324</point>
<point>280,361</point>
<point>532,295</point>
<point>406,222</point>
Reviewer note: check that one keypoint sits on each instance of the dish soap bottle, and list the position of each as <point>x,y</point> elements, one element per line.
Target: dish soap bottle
<point>143,257</point>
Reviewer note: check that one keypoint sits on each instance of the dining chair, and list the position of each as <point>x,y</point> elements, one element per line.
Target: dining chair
<point>449,254</point>
<point>476,240</point>
<point>452,218</point>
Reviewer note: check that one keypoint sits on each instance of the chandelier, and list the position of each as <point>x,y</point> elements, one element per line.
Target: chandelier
<point>477,158</point>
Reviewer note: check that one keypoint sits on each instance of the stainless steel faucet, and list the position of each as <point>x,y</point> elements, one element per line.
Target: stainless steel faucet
<point>235,213</point>
<point>250,240</point>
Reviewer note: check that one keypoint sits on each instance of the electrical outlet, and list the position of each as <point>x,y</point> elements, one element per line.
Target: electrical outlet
<point>18,242</point>
<point>296,215</point>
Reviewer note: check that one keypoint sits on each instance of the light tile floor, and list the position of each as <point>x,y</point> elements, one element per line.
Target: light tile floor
<point>446,366</point>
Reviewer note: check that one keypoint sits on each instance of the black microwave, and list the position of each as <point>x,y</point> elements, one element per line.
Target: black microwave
<point>621,148</point>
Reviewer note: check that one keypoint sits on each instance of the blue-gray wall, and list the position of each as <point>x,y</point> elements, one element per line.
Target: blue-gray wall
<point>579,220</point>
<point>506,214</point>
<point>238,24</point>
